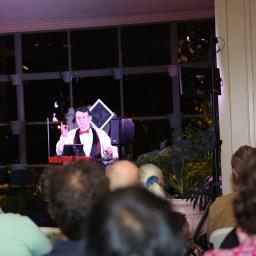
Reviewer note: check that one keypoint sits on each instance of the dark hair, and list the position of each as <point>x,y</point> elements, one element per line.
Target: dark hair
<point>133,221</point>
<point>245,203</point>
<point>83,109</point>
<point>72,190</point>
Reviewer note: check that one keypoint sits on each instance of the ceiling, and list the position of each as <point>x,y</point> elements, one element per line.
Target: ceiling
<point>36,15</point>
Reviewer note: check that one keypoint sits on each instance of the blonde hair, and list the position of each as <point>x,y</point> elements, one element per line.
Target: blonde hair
<point>152,178</point>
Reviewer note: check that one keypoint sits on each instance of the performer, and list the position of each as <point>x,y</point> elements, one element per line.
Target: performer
<point>96,141</point>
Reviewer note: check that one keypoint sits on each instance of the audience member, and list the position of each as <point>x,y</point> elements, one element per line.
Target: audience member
<point>133,221</point>
<point>221,212</point>
<point>151,177</point>
<point>121,174</point>
<point>20,236</point>
<point>72,190</point>
<point>245,212</point>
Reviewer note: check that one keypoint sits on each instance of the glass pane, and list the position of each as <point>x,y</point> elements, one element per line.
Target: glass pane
<point>7,59</point>
<point>37,145</point>
<point>195,87</point>
<point>44,52</point>
<point>9,146</point>
<point>88,90</point>
<point>201,123</point>
<point>147,95</point>
<point>149,135</point>
<point>95,48</point>
<point>8,102</point>
<point>146,45</point>
<point>193,40</point>
<point>43,98</point>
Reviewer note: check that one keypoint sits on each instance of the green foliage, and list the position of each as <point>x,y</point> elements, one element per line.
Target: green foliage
<point>185,164</point>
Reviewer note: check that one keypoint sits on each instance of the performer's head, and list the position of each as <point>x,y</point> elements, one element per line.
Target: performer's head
<point>83,117</point>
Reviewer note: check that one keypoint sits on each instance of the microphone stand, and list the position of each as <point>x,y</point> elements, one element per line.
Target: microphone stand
<point>215,90</point>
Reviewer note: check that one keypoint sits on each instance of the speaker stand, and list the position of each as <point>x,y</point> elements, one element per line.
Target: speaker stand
<point>121,152</point>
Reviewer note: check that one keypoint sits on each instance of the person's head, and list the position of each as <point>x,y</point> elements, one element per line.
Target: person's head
<point>152,178</point>
<point>238,159</point>
<point>245,203</point>
<point>133,221</point>
<point>71,191</point>
<point>83,117</point>
<point>121,174</point>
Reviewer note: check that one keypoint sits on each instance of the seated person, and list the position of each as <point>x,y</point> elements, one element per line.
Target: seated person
<point>221,212</point>
<point>96,142</point>
<point>151,177</point>
<point>72,190</point>
<point>20,236</point>
<point>245,213</point>
<point>122,174</point>
<point>133,221</point>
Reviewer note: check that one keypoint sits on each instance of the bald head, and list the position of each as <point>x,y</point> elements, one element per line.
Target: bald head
<point>122,173</point>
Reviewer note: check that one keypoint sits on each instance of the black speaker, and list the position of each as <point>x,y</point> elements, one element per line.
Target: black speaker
<point>122,131</point>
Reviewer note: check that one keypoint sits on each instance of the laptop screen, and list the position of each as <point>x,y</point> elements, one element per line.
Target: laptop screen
<point>73,150</point>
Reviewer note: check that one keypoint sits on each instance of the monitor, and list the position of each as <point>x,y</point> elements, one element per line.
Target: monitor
<point>73,150</point>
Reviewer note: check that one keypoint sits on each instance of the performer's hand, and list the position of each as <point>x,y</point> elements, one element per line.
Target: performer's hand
<point>64,129</point>
<point>108,152</point>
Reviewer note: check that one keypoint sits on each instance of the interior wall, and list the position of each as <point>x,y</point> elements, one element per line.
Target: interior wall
<point>236,33</point>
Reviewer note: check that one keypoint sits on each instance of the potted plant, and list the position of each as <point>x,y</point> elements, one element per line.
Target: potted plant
<point>186,165</point>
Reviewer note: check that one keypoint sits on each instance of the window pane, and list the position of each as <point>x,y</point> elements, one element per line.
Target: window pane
<point>147,95</point>
<point>45,52</point>
<point>40,97</point>
<point>145,45</point>
<point>202,123</point>
<point>193,40</point>
<point>7,60</point>
<point>37,145</point>
<point>9,146</point>
<point>149,134</point>
<point>95,48</point>
<point>88,90</point>
<point>8,102</point>
<point>195,84</point>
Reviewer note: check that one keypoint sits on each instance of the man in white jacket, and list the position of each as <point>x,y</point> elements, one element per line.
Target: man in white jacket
<point>96,142</point>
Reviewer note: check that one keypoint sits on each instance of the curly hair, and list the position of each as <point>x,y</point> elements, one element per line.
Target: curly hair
<point>245,203</point>
<point>72,190</point>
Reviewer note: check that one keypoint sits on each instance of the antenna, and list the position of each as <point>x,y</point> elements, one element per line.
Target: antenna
<point>48,135</point>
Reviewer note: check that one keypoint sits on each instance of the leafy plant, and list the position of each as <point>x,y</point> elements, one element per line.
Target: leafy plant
<point>186,165</point>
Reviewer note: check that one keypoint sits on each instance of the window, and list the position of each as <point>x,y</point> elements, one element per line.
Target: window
<point>145,45</point>
<point>94,48</point>
<point>45,52</point>
<point>7,60</point>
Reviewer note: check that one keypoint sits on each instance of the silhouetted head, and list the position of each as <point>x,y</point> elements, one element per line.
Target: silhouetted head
<point>239,158</point>
<point>133,221</point>
<point>71,191</point>
<point>152,178</point>
<point>245,203</point>
<point>121,174</point>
